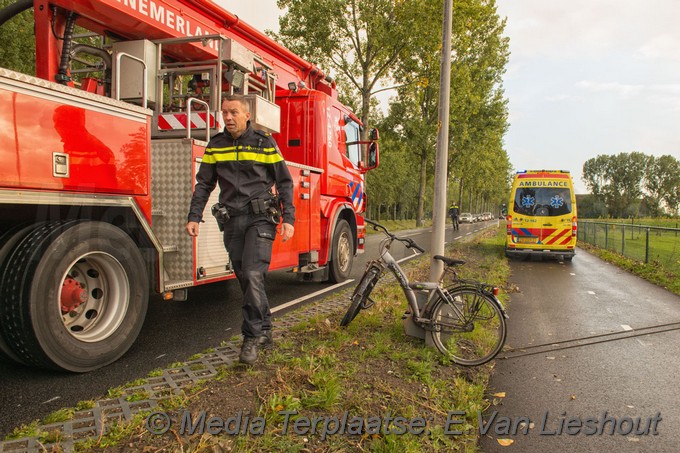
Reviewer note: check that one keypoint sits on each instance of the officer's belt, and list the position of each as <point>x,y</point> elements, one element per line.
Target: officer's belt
<point>256,206</point>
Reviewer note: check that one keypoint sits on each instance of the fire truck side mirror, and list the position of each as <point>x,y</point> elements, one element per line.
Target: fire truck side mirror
<point>371,159</point>
<point>373,134</point>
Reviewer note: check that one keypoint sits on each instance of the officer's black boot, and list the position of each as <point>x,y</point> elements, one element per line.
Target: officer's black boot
<point>266,340</point>
<point>249,350</point>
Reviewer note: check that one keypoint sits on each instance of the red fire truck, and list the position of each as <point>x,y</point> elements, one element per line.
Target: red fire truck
<point>99,152</point>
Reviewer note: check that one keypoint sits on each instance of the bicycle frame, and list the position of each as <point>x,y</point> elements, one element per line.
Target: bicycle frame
<point>432,288</point>
<point>463,320</point>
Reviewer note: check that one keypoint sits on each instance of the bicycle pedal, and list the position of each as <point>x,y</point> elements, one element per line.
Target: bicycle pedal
<point>406,315</point>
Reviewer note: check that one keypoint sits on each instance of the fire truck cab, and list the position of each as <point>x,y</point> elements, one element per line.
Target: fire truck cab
<point>100,149</point>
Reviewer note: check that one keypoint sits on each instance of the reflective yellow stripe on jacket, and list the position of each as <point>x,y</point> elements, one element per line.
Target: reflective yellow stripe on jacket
<point>241,154</point>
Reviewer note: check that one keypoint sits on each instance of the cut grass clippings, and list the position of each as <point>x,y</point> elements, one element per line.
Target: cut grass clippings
<point>366,387</point>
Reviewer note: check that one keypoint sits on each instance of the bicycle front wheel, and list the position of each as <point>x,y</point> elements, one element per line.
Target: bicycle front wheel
<point>361,295</point>
<point>469,327</point>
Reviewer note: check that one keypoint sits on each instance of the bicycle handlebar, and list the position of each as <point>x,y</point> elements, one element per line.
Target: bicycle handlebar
<point>408,242</point>
<point>415,246</point>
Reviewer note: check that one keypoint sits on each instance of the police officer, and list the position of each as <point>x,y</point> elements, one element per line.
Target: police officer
<point>454,211</point>
<point>246,163</point>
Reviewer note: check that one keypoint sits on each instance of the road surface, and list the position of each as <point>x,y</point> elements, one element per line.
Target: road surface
<point>594,365</point>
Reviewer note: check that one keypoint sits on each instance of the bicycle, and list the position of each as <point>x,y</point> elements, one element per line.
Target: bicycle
<point>465,321</point>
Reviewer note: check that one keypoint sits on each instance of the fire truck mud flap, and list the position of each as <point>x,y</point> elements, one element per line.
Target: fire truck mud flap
<point>342,253</point>
<point>74,294</point>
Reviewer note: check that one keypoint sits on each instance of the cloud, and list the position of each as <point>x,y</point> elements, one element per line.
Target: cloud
<point>662,96</point>
<point>586,28</point>
<point>557,97</point>
<point>665,46</point>
<point>622,90</point>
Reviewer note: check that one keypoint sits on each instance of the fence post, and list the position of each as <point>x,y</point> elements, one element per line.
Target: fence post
<point>606,236</point>
<point>623,240</point>
<point>647,247</point>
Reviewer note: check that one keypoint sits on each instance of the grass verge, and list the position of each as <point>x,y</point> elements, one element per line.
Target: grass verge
<point>653,272</point>
<point>396,225</point>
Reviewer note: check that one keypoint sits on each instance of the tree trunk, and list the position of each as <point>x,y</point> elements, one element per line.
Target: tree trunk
<point>365,106</point>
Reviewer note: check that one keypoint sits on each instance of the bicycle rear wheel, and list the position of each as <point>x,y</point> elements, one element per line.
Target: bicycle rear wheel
<point>361,295</point>
<point>469,327</point>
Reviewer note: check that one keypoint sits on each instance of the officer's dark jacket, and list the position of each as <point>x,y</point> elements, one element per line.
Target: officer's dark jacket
<point>246,168</point>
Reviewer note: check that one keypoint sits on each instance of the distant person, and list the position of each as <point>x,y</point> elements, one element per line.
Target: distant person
<point>454,212</point>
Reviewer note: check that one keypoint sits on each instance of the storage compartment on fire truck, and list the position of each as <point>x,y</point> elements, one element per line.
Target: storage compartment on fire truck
<point>130,58</point>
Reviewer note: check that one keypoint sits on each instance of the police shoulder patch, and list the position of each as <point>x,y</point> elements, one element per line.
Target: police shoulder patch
<point>262,133</point>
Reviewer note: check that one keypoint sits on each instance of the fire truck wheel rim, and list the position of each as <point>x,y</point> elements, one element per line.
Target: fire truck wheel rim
<point>105,284</point>
<point>344,252</point>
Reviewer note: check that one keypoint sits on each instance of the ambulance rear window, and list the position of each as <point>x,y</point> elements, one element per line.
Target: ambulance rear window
<point>542,201</point>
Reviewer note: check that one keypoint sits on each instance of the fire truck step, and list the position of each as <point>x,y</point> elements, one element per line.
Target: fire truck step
<point>177,284</point>
<point>170,248</point>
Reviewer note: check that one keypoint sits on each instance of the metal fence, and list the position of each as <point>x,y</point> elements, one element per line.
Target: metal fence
<point>639,242</point>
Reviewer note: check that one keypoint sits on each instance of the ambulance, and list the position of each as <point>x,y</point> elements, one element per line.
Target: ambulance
<point>542,218</point>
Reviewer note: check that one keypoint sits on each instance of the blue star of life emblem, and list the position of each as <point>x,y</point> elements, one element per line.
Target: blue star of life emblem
<point>528,201</point>
<point>556,201</point>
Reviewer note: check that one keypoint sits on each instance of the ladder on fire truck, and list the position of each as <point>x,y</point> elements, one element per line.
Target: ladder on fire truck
<point>185,95</point>
<point>186,100</point>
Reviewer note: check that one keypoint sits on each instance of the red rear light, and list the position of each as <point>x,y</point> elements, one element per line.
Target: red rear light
<point>495,291</point>
<point>509,224</point>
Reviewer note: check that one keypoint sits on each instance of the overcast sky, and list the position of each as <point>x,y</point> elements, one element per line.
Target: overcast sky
<point>586,77</point>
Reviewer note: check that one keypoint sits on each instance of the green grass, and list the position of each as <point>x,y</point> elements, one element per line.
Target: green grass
<point>664,223</point>
<point>396,225</point>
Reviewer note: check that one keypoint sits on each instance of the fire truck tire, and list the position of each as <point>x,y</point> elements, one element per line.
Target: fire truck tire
<point>342,254</point>
<point>7,242</point>
<point>75,295</point>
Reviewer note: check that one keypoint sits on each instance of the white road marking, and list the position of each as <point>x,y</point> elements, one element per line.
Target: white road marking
<point>338,285</point>
<point>51,399</point>
<point>309,296</point>
<point>591,293</point>
<point>626,327</point>
<point>571,273</point>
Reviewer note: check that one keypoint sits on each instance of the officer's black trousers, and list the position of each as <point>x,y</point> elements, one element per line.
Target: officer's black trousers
<point>249,239</point>
<point>454,220</point>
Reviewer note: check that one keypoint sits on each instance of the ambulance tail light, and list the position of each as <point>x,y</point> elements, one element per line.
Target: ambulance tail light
<point>509,225</point>
<point>574,226</point>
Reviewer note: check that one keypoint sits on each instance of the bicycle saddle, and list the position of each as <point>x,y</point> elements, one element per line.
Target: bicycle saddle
<point>449,261</point>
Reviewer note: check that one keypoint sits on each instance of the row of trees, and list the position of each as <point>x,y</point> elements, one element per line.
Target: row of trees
<point>631,185</point>
<point>398,42</point>
<point>368,45</point>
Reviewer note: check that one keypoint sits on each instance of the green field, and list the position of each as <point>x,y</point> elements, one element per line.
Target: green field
<point>663,223</point>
